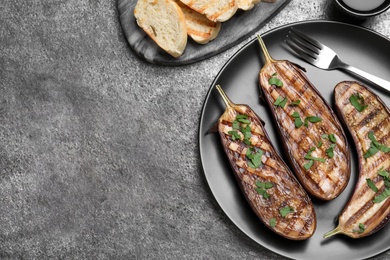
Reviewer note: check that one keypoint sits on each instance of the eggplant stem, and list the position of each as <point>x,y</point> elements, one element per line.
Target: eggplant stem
<point>333,232</point>
<point>267,56</point>
<point>225,98</point>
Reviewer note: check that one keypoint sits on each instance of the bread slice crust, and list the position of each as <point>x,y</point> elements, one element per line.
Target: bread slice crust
<point>215,10</point>
<point>201,29</point>
<point>164,22</point>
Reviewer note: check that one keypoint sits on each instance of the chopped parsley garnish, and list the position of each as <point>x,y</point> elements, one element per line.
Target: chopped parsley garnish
<point>275,81</point>
<point>371,184</point>
<point>298,120</point>
<point>262,187</point>
<point>308,165</point>
<point>280,102</point>
<point>243,119</point>
<point>361,229</point>
<point>311,159</point>
<point>235,135</point>
<point>312,119</point>
<point>247,133</point>
<point>295,103</point>
<point>241,123</point>
<point>375,146</point>
<point>319,145</point>
<point>386,192</point>
<point>272,222</point>
<point>330,150</point>
<point>331,137</point>
<point>236,125</point>
<point>295,114</point>
<point>265,185</point>
<point>381,197</point>
<point>254,157</point>
<point>358,102</point>
<point>384,173</point>
<point>285,211</point>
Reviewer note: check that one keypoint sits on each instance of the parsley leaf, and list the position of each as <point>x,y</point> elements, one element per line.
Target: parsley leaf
<point>285,211</point>
<point>331,137</point>
<point>281,102</point>
<point>384,173</point>
<point>357,101</point>
<point>261,188</point>
<point>361,229</point>
<point>254,157</point>
<point>371,151</point>
<point>236,125</point>
<point>330,150</point>
<point>312,119</point>
<point>242,119</point>
<point>381,197</point>
<point>298,121</point>
<point>375,146</point>
<point>308,165</point>
<point>262,192</point>
<point>241,116</point>
<point>295,103</point>
<point>241,124</point>
<point>264,185</point>
<point>386,192</point>
<point>235,135</point>
<point>275,81</point>
<point>272,222</point>
<point>371,184</point>
<point>309,157</point>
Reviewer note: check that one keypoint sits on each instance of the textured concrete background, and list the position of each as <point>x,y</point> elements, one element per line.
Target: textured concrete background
<point>98,149</point>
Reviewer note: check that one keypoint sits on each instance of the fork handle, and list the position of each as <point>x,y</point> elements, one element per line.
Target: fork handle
<point>378,81</point>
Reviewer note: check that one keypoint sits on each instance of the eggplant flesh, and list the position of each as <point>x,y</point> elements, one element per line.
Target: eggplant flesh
<point>329,172</point>
<point>283,206</point>
<point>364,214</point>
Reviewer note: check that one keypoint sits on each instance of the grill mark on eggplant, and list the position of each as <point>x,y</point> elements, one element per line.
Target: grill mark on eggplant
<point>376,118</point>
<point>323,180</point>
<point>302,137</point>
<point>365,120</point>
<point>358,214</point>
<point>303,133</point>
<point>286,189</point>
<point>379,215</point>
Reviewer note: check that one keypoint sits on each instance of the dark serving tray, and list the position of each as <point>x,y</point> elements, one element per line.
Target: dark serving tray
<point>233,31</point>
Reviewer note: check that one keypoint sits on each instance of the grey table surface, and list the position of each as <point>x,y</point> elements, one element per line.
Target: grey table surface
<point>99,149</point>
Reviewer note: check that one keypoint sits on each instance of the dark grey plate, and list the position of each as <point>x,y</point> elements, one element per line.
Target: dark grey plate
<point>357,46</point>
<point>237,29</point>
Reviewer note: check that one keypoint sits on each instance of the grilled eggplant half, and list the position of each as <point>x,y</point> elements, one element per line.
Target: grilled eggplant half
<point>368,120</point>
<point>312,136</point>
<point>271,189</point>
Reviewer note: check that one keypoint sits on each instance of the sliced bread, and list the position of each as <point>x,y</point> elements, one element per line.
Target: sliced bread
<point>199,27</point>
<point>164,22</point>
<point>215,10</point>
<point>247,4</point>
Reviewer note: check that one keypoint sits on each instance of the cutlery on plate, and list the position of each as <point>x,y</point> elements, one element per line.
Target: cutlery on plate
<point>324,57</point>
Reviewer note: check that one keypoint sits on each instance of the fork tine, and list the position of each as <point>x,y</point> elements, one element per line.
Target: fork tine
<point>300,51</point>
<point>306,38</point>
<point>304,45</point>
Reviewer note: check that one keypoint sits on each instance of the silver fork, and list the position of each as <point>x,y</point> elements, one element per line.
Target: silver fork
<point>325,58</point>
